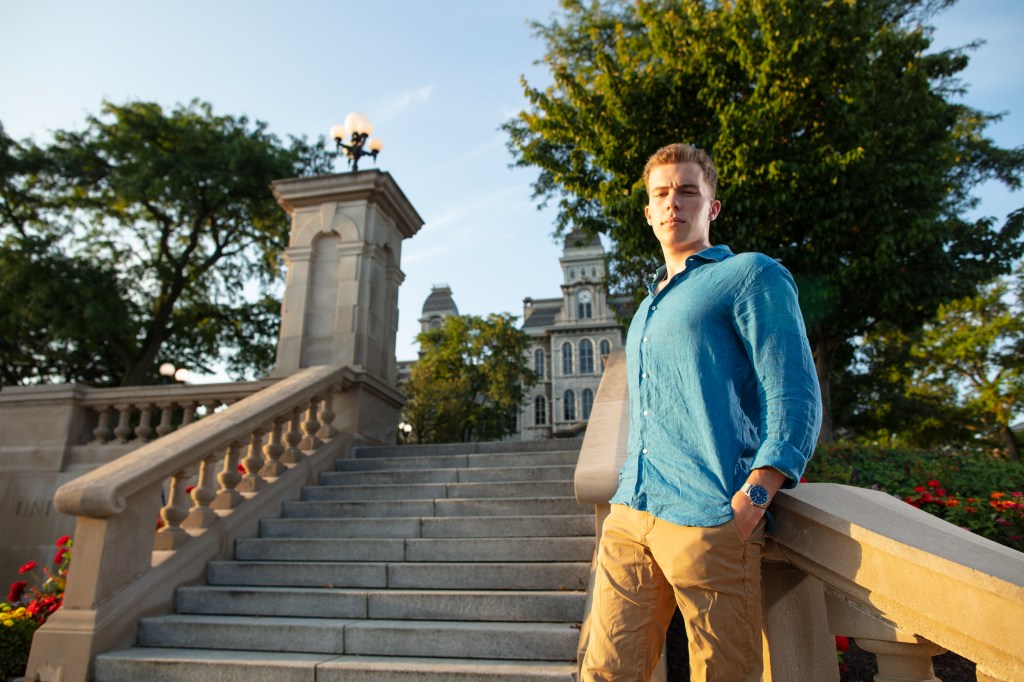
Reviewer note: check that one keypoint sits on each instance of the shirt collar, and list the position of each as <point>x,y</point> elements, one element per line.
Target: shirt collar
<point>714,254</point>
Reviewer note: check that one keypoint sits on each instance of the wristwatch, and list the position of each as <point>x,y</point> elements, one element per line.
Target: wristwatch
<point>759,497</point>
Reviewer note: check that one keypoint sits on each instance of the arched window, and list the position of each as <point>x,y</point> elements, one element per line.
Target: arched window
<point>566,358</point>
<point>586,402</point>
<point>540,411</point>
<point>538,363</point>
<point>605,347</point>
<point>586,356</point>
<point>569,406</point>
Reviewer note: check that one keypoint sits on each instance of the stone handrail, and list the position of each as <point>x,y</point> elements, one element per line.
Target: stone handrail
<point>854,562</point>
<point>207,484</point>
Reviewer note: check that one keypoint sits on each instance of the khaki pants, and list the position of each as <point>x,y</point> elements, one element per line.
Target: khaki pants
<point>646,567</point>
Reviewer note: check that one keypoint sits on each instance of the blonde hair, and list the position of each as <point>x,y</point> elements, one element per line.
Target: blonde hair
<point>683,153</point>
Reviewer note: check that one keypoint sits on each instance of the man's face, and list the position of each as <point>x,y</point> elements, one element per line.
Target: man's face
<point>679,207</point>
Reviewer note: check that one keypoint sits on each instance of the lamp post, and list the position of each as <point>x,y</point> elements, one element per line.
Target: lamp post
<point>170,373</point>
<point>404,429</point>
<point>357,126</point>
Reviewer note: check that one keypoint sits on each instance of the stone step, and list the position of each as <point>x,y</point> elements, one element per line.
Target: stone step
<point>523,506</point>
<point>430,491</point>
<point>415,549</point>
<point>450,475</point>
<point>388,604</point>
<point>445,639</point>
<point>192,665</point>
<point>555,458</point>
<point>507,447</point>
<point>564,525</point>
<point>560,575</point>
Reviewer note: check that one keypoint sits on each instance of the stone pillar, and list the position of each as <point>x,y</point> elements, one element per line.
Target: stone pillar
<point>343,272</point>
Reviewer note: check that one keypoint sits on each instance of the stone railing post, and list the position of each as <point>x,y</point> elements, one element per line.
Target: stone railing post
<point>341,288</point>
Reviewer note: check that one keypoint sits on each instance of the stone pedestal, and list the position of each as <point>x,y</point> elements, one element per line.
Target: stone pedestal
<point>341,297</point>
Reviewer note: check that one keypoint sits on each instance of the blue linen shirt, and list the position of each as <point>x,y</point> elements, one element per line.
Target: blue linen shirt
<point>721,381</point>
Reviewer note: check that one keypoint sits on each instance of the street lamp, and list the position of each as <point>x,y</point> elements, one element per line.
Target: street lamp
<point>404,429</point>
<point>359,128</point>
<point>170,373</point>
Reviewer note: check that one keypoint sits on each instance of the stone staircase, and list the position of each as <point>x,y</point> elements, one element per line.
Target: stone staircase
<point>463,562</point>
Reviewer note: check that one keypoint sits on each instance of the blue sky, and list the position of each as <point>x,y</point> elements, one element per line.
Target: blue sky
<point>436,77</point>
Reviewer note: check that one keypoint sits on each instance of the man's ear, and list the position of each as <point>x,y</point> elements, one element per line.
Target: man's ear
<point>647,214</point>
<point>716,208</point>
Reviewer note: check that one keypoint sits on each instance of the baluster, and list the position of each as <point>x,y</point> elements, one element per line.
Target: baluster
<point>227,496</point>
<point>311,426</point>
<point>201,515</point>
<point>293,455</point>
<point>253,462</point>
<point>124,429</point>
<point>166,412</point>
<point>188,412</point>
<point>326,416</point>
<point>273,451</point>
<point>102,432</point>
<point>903,661</point>
<point>144,431</point>
<point>173,513</point>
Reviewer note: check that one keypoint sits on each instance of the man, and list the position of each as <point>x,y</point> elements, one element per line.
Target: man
<point>724,411</point>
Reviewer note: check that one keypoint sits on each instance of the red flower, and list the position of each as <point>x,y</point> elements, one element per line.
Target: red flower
<point>933,483</point>
<point>17,589</point>
<point>58,558</point>
<point>63,540</point>
<point>919,489</point>
<point>30,566</point>
<point>842,643</point>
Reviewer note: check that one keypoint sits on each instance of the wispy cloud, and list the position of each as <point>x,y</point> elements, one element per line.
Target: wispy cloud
<point>484,149</point>
<point>405,100</point>
<point>456,226</point>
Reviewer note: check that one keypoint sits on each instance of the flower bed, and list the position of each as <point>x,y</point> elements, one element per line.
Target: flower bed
<point>30,601</point>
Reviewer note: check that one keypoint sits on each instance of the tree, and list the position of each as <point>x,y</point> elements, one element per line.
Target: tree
<point>171,215</point>
<point>840,149</point>
<point>975,348</point>
<point>470,380</point>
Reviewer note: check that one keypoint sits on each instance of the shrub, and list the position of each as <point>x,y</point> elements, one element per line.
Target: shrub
<point>28,606</point>
<point>968,487</point>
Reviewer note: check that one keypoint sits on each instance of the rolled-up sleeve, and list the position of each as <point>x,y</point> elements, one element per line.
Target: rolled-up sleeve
<point>768,320</point>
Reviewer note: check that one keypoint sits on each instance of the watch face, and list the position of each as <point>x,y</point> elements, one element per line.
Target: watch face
<point>584,296</point>
<point>758,495</point>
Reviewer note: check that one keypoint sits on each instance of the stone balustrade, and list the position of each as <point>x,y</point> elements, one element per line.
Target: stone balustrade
<point>207,484</point>
<point>855,562</point>
<point>142,414</point>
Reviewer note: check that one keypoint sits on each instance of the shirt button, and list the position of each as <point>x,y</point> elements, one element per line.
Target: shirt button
<point>654,307</point>
<point>644,451</point>
<point>645,339</point>
<point>646,413</point>
<point>644,375</point>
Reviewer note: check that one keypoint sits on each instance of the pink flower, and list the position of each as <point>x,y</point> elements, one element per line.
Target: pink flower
<point>30,566</point>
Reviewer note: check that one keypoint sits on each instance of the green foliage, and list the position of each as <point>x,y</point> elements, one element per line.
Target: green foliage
<point>840,146</point>
<point>968,487</point>
<point>168,216</point>
<point>470,380</point>
<point>16,631</point>
<point>958,379</point>
<point>975,346</point>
